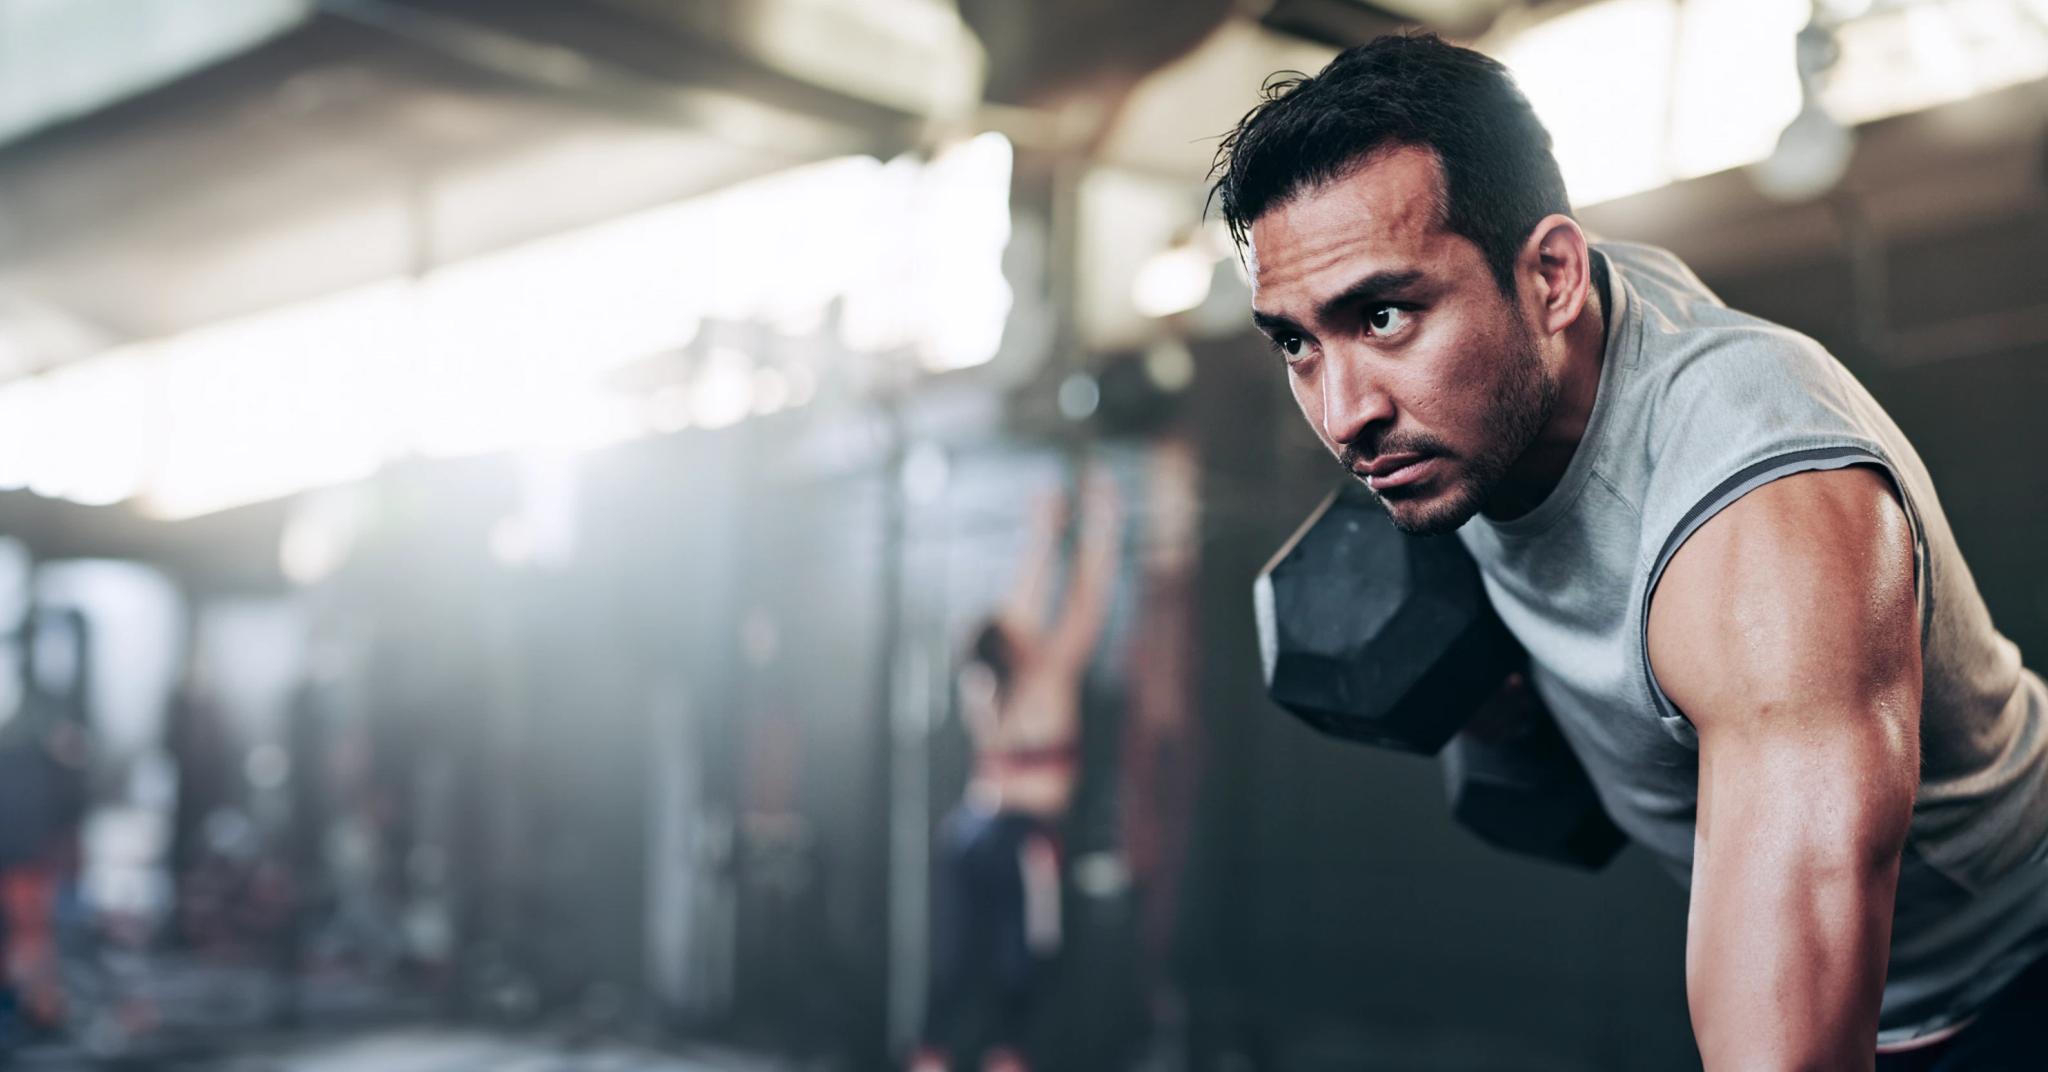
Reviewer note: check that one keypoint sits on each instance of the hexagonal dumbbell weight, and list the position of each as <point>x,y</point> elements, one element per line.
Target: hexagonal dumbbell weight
<point>1512,779</point>
<point>1377,636</point>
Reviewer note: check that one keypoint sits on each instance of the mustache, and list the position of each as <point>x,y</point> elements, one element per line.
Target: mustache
<point>1359,451</point>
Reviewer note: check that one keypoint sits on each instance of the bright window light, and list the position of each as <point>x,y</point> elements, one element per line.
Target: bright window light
<point>1737,83</point>
<point>94,431</point>
<point>937,285</point>
<point>960,221</point>
<point>267,405</point>
<point>1687,89</point>
<point>1600,79</point>
<point>1916,56</point>
<point>23,416</point>
<point>723,391</point>
<point>518,350</point>
<point>1174,280</point>
<point>771,390</point>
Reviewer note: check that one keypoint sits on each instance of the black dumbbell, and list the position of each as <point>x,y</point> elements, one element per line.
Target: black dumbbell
<point>1374,635</point>
<point>1512,779</point>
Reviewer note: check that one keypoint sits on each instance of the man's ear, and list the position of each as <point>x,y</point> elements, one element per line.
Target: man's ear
<point>1558,262</point>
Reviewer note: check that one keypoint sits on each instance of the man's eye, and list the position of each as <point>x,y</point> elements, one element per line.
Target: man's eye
<point>1288,344</point>
<point>1386,319</point>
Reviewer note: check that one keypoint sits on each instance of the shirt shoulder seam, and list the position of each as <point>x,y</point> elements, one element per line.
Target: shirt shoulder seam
<point>1612,489</point>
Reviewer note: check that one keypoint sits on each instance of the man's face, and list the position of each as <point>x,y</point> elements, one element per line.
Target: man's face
<point>1411,366</point>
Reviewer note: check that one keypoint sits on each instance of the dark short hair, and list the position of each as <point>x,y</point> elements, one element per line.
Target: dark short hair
<point>1499,176</point>
<point>993,647</point>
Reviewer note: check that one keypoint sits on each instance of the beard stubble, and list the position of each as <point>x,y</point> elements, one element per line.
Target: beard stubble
<point>1523,400</point>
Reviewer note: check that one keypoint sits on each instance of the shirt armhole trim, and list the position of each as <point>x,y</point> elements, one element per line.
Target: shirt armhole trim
<point>1744,481</point>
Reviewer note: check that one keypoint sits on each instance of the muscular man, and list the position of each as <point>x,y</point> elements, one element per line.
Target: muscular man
<point>996,909</point>
<point>1739,593</point>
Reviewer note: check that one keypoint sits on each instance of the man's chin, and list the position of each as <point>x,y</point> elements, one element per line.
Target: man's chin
<point>1429,514</point>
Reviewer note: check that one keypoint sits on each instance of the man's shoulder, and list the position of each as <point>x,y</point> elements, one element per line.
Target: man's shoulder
<point>1646,265</point>
<point>1687,340</point>
<point>1716,391</point>
<point>1677,310</point>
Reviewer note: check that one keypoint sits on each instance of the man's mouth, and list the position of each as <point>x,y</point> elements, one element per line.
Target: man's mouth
<point>1396,470</point>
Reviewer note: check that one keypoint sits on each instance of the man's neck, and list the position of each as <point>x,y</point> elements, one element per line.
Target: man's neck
<point>1543,465</point>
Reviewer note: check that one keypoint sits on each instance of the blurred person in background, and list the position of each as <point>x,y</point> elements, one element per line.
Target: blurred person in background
<point>1739,594</point>
<point>44,754</point>
<point>997,884</point>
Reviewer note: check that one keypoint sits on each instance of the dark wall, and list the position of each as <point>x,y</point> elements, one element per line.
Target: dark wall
<point>519,710</point>
<point>767,586</point>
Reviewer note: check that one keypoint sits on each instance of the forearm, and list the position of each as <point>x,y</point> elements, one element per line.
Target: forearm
<point>1096,556</point>
<point>1095,567</point>
<point>1024,609</point>
<point>1790,928</point>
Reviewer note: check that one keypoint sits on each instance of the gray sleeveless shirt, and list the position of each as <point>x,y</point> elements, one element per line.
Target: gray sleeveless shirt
<point>1697,405</point>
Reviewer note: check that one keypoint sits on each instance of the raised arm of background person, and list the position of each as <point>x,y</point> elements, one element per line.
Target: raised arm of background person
<point>1785,629</point>
<point>1024,610</point>
<point>1094,576</point>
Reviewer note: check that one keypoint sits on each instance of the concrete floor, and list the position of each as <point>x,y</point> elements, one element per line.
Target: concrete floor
<point>165,1013</point>
<point>400,1050</point>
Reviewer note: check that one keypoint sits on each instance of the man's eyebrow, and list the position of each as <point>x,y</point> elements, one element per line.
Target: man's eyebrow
<point>1272,322</point>
<point>1379,286</point>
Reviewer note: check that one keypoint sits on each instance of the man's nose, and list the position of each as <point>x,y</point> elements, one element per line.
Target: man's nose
<point>1352,401</point>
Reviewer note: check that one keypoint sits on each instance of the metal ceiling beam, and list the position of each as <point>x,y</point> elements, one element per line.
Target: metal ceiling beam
<point>1344,23</point>
<point>585,56</point>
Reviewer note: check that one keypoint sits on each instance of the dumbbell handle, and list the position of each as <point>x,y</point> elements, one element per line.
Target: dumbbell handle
<point>1511,713</point>
<point>1513,780</point>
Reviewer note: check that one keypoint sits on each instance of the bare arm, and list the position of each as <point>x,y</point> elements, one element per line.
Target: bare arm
<point>1786,631</point>
<point>1094,578</point>
<point>1024,610</point>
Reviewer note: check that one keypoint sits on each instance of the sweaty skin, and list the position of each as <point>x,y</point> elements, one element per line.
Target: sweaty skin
<point>1786,631</point>
<point>1785,627</point>
<point>1398,340</point>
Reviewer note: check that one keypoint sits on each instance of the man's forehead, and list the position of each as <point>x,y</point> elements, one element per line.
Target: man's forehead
<point>1392,194</point>
<point>1381,216</point>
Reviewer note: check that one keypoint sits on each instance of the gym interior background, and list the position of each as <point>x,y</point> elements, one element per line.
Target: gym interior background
<point>497,493</point>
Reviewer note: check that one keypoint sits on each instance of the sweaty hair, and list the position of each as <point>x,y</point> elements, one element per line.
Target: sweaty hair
<point>1499,176</point>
